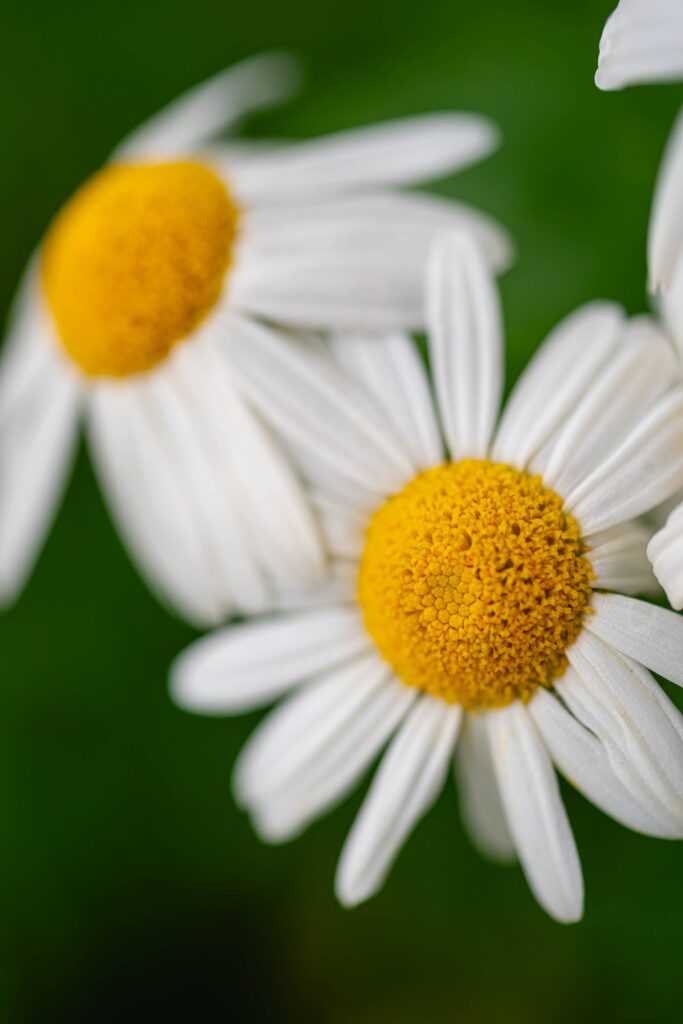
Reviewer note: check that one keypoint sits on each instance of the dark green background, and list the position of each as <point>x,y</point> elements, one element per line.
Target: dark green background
<point>129,883</point>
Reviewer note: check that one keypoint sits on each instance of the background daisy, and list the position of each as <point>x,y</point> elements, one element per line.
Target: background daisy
<point>481,590</point>
<point>160,248</point>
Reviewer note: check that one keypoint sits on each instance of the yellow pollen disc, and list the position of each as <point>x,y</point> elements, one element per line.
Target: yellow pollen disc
<point>135,261</point>
<point>474,582</point>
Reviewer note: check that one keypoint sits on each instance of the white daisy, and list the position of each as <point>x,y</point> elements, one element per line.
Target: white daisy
<point>642,42</point>
<point>163,246</point>
<point>480,566</point>
<point>665,279</point>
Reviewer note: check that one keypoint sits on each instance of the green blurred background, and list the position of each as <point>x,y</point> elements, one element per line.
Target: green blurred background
<point>129,883</point>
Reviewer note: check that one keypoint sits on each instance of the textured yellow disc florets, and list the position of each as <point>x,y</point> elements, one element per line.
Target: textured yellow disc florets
<point>135,261</point>
<point>474,582</point>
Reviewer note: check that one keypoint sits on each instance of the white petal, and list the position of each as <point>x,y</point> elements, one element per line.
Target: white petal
<point>535,813</point>
<point>643,471</point>
<point>213,106</point>
<point>339,487</point>
<point>481,805</point>
<point>340,586</point>
<point>665,552</point>
<point>222,155</point>
<point>585,763</point>
<point>39,407</point>
<point>619,701</point>
<point>343,528</point>
<point>619,559</point>
<point>152,506</point>
<point>639,373</point>
<point>268,499</point>
<point>245,666</point>
<point>391,370</point>
<point>669,304</point>
<point>228,476</point>
<point>353,264</point>
<point>409,221</point>
<point>555,380</point>
<point>642,42</point>
<point>665,237</point>
<point>305,722</point>
<point>29,344</point>
<point>407,782</point>
<point>400,152</point>
<point>466,344</point>
<point>651,635</point>
<point>319,410</point>
<point>214,491</point>
<point>326,764</point>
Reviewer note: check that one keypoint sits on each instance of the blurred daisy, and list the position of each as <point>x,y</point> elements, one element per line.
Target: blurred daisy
<point>486,585</point>
<point>642,42</point>
<point>158,249</point>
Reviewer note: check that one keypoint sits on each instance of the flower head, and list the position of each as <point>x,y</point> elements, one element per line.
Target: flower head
<point>480,598</point>
<point>143,280</point>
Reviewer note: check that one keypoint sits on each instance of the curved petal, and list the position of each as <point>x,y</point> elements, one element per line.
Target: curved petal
<point>619,559</point>
<point>401,152</point>
<point>286,543</point>
<point>557,377</point>
<point>212,491</point>
<point>481,804</point>
<point>246,666</point>
<point>211,107</point>
<point>642,42</point>
<point>639,372</point>
<point>408,780</point>
<point>466,344</point>
<point>301,726</point>
<point>409,221</point>
<point>39,412</point>
<point>585,763</point>
<point>642,472</point>
<point>665,552</point>
<point>650,635</point>
<point>329,766</point>
<point>351,264</point>
<point>641,730</point>
<point>665,236</point>
<point>191,427</point>
<point>535,813</point>
<point>390,368</point>
<point>320,411</point>
<point>152,508</point>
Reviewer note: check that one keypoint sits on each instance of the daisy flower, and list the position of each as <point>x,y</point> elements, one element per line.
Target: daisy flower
<point>489,575</point>
<point>125,317</point>
<point>665,280</point>
<point>642,42</point>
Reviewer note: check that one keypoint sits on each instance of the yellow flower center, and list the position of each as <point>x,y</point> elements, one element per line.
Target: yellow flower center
<point>474,582</point>
<point>135,261</point>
